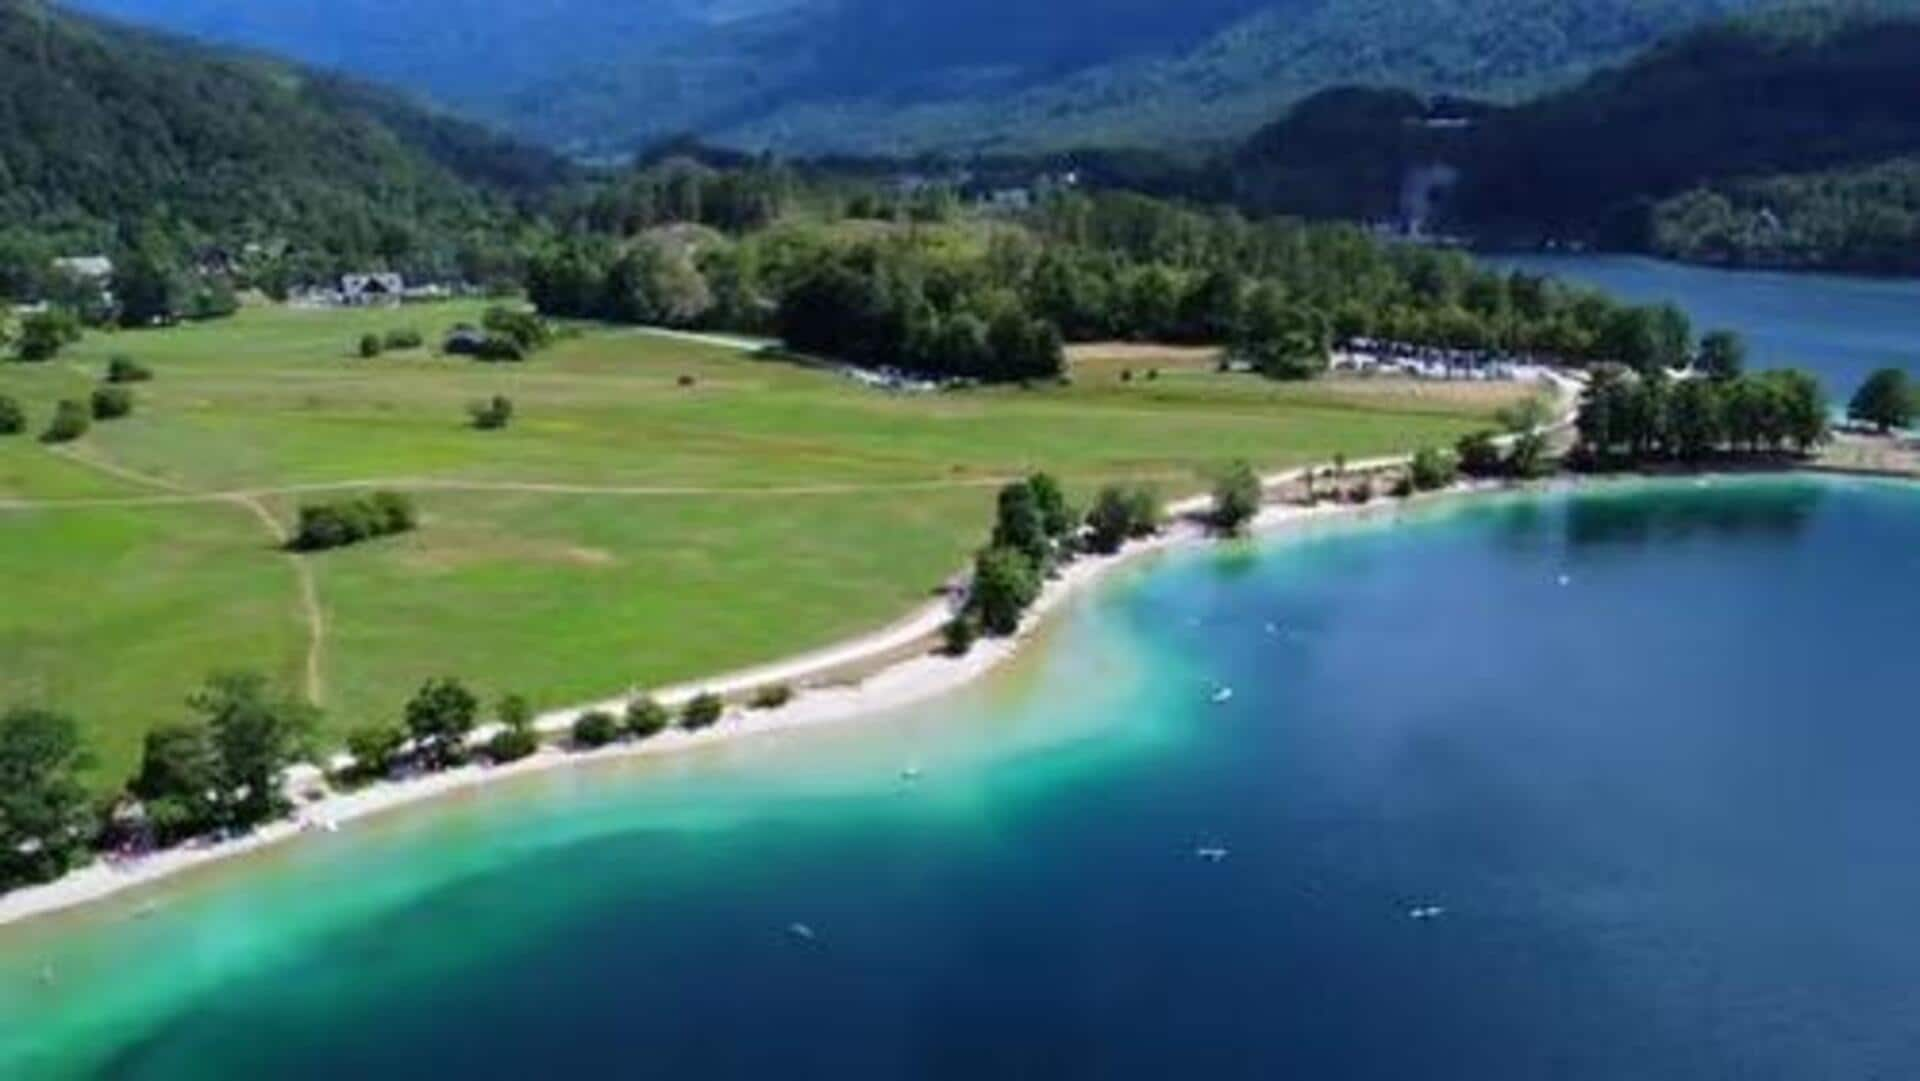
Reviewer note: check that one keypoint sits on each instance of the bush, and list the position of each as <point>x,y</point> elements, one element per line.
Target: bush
<point>499,349</point>
<point>647,718</point>
<point>370,345</point>
<point>1120,515</point>
<point>1431,470</point>
<point>1480,455</point>
<point>375,747</point>
<point>1527,458</point>
<point>491,415</point>
<point>516,738</point>
<point>959,636</point>
<point>772,696</point>
<point>13,419</point>
<point>395,511</point>
<point>526,330</point>
<point>70,421</point>
<point>43,334</point>
<point>403,338</point>
<point>349,521</point>
<point>704,711</point>
<point>596,728</point>
<point>1236,498</point>
<point>111,403</point>
<point>513,744</point>
<point>127,370</point>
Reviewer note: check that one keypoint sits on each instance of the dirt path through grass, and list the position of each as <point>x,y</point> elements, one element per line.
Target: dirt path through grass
<point>308,590</point>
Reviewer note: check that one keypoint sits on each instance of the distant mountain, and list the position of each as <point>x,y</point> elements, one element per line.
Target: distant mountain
<point>106,130</point>
<point>1785,138</point>
<point>867,76</point>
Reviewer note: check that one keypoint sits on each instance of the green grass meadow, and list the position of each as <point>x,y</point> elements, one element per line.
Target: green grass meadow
<point>626,530</point>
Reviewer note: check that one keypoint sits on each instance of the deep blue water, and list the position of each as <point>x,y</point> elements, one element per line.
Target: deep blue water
<point>1652,750</point>
<point>1843,327</point>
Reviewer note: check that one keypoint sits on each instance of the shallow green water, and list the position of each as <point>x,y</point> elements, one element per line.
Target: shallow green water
<point>1648,750</point>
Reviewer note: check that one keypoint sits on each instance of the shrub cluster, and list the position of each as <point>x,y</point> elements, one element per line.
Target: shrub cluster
<point>1122,514</point>
<point>492,414</point>
<point>772,696</point>
<point>70,421</point>
<point>402,339</point>
<point>13,418</point>
<point>111,402</point>
<point>123,369</point>
<point>1236,498</point>
<point>703,711</point>
<point>349,521</point>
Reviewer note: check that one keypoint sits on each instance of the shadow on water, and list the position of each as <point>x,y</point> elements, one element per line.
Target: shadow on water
<point>1641,517</point>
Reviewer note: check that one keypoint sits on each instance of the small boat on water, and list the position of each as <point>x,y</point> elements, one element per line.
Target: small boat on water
<point>911,773</point>
<point>1426,912</point>
<point>1222,696</point>
<point>802,932</point>
<point>1212,854</point>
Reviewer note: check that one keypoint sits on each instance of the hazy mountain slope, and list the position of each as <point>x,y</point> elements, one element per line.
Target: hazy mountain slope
<point>865,75</point>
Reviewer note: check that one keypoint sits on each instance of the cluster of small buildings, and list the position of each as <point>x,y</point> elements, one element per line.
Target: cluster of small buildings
<point>1379,356</point>
<point>369,290</point>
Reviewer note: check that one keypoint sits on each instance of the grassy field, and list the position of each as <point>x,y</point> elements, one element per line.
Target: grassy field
<point>626,530</point>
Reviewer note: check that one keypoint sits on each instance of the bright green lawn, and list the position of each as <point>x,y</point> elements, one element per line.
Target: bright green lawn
<point>716,546</point>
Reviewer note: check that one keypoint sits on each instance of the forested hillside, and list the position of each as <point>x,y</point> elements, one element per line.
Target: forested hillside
<point>867,76</point>
<point>106,133</point>
<point>1793,92</point>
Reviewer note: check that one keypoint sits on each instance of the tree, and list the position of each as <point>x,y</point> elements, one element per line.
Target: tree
<point>1236,498</point>
<point>516,738</point>
<point>70,421</point>
<point>1527,457</point>
<point>704,710</point>
<point>439,717</point>
<point>370,345</point>
<point>257,733</point>
<point>1056,517</point>
<point>959,635</point>
<point>1431,470</point>
<point>45,816</point>
<point>1020,523</point>
<point>179,783</point>
<point>1723,355</point>
<point>1110,521</point>
<point>149,289</point>
<point>1885,400</point>
<point>1005,583</point>
<point>375,747</point>
<point>1480,456</point>
<point>1695,418</point>
<point>647,718</point>
<point>13,419</point>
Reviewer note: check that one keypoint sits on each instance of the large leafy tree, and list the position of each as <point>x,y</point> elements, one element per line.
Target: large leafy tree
<point>1885,400</point>
<point>45,817</point>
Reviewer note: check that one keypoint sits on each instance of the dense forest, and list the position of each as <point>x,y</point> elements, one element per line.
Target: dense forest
<point>112,139</point>
<point>860,272</point>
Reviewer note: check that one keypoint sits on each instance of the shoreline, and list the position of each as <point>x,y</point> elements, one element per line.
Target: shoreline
<point>901,683</point>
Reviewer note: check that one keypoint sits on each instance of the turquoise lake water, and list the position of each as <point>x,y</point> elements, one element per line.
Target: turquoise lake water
<point>1645,756</point>
<point>1842,327</point>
